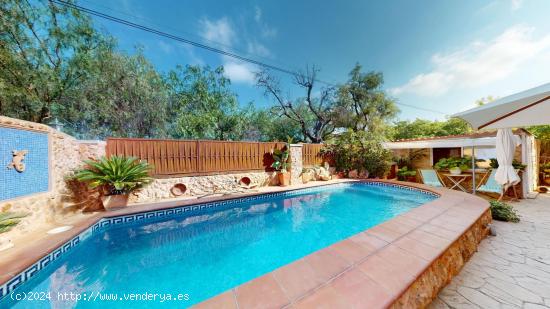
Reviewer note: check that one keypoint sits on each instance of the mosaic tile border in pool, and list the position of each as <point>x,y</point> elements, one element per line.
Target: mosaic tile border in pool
<point>104,223</point>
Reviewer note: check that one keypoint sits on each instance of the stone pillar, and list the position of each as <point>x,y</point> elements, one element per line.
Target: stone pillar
<point>296,164</point>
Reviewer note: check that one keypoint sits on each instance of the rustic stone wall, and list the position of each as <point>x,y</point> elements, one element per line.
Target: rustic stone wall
<point>296,163</point>
<point>201,185</point>
<point>426,287</point>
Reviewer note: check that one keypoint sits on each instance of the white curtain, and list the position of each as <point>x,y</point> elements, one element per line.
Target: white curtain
<point>506,147</point>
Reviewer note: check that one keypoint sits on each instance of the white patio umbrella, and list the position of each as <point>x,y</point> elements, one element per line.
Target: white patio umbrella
<point>506,147</point>
<point>527,108</point>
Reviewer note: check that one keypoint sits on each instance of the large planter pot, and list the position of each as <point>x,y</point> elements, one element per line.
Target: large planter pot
<point>284,179</point>
<point>115,201</point>
<point>410,178</point>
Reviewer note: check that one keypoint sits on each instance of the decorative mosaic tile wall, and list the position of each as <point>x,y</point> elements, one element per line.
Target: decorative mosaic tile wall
<point>35,177</point>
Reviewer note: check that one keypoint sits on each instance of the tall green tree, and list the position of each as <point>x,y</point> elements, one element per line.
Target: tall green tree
<point>267,125</point>
<point>203,105</point>
<point>426,128</point>
<point>362,103</point>
<point>45,51</point>
<point>122,96</point>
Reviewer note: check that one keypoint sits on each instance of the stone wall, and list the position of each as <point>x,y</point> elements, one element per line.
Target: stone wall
<point>202,185</point>
<point>296,163</point>
<point>426,287</point>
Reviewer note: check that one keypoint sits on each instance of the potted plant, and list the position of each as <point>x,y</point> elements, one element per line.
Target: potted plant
<point>404,174</point>
<point>454,165</point>
<point>281,165</point>
<point>116,177</point>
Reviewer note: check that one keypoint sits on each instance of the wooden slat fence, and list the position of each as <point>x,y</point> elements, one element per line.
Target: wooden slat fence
<point>311,155</point>
<point>195,157</point>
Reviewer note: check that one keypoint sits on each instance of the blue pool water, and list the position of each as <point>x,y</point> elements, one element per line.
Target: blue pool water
<point>204,255</point>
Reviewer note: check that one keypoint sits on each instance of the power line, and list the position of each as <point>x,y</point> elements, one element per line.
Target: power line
<point>203,46</point>
<point>166,27</point>
<point>174,37</point>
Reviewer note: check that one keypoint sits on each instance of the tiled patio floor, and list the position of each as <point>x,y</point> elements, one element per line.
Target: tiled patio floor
<point>512,269</point>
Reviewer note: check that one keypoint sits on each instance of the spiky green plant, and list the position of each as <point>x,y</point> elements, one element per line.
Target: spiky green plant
<point>118,175</point>
<point>10,219</point>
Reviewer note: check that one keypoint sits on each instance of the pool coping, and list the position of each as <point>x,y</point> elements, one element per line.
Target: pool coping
<point>400,263</point>
<point>20,264</point>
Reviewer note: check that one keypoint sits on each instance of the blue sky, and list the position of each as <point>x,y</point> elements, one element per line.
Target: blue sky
<point>439,55</point>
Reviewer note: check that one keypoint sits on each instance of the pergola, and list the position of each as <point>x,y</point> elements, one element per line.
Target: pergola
<point>527,108</point>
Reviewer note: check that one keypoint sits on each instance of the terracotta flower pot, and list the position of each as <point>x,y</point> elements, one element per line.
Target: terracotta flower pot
<point>411,178</point>
<point>111,202</point>
<point>284,179</point>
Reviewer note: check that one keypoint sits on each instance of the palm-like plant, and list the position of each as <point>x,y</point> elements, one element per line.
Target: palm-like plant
<point>280,158</point>
<point>10,219</point>
<point>118,175</point>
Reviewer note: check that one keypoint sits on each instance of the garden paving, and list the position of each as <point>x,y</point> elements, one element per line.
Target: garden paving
<point>511,269</point>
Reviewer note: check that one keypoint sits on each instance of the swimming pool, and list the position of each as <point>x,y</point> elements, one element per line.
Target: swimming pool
<point>201,253</point>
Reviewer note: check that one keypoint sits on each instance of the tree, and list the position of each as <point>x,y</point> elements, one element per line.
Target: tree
<point>267,125</point>
<point>203,106</point>
<point>426,128</point>
<point>313,114</point>
<point>362,104</point>
<point>485,100</point>
<point>45,51</point>
<point>540,132</point>
<point>359,150</point>
<point>122,96</point>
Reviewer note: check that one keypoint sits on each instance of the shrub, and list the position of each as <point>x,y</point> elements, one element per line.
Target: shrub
<point>358,151</point>
<point>281,162</point>
<point>404,172</point>
<point>463,163</point>
<point>117,175</point>
<point>503,212</point>
<point>10,219</point>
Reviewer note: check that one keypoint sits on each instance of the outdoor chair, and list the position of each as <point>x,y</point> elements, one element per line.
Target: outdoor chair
<point>431,178</point>
<point>492,186</point>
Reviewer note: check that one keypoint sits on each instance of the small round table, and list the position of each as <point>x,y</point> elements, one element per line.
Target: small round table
<point>457,180</point>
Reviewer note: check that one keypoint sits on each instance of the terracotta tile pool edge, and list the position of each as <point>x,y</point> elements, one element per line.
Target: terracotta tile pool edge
<point>408,294</point>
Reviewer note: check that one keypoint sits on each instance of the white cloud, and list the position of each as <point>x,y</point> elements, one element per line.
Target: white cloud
<point>478,64</point>
<point>517,4</point>
<point>256,48</point>
<point>257,14</point>
<point>266,31</point>
<point>219,31</point>
<point>240,72</point>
